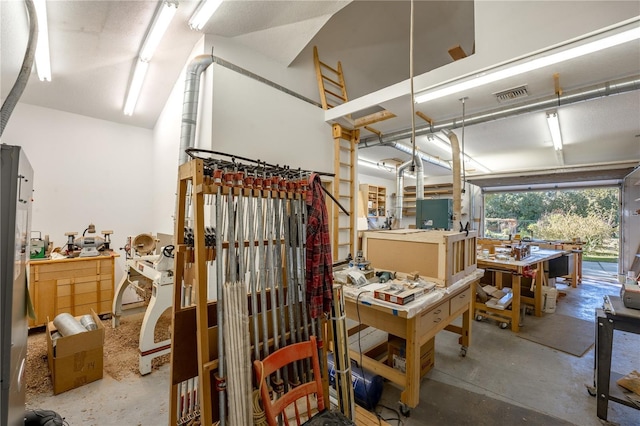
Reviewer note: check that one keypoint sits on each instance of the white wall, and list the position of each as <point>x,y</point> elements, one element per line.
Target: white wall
<point>165,150</point>
<point>254,120</point>
<point>241,116</point>
<point>86,171</point>
<point>300,79</point>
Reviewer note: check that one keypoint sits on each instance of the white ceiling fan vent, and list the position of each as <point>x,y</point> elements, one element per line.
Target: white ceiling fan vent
<point>511,94</point>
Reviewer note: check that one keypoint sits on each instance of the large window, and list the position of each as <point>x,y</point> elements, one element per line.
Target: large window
<point>589,214</point>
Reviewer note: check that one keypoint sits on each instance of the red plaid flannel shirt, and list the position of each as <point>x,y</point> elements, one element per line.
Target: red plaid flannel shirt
<point>319,272</point>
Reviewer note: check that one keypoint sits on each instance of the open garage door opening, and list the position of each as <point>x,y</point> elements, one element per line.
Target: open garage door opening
<point>588,216</point>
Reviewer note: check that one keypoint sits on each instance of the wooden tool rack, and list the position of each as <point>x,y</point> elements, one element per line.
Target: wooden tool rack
<point>194,355</point>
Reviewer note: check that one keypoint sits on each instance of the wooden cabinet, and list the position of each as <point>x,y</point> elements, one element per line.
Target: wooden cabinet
<point>75,285</point>
<point>376,198</point>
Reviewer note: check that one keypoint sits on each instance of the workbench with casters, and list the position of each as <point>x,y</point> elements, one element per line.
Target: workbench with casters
<point>614,316</point>
<point>517,269</point>
<point>417,323</point>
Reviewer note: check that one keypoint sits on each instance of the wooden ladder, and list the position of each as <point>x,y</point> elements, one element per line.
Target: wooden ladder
<point>344,190</point>
<point>333,92</point>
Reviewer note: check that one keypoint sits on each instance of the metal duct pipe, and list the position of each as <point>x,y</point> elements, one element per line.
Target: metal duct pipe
<point>409,150</point>
<point>190,103</point>
<point>400,186</point>
<point>457,180</point>
<point>597,91</point>
<point>25,70</point>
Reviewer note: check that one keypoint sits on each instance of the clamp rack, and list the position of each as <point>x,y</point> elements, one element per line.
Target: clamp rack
<point>198,381</point>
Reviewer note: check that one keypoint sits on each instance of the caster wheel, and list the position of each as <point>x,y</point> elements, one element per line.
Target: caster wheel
<point>479,318</point>
<point>591,390</point>
<point>503,325</point>
<point>463,351</point>
<point>404,409</point>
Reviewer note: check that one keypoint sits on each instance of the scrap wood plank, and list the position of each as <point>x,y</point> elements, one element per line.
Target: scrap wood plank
<point>367,418</point>
<point>635,265</point>
<point>457,53</point>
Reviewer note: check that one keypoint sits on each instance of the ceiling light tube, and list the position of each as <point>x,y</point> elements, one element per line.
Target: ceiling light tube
<point>554,128</point>
<point>528,65</point>
<point>158,27</point>
<point>43,61</point>
<point>136,86</point>
<point>203,13</point>
<point>441,142</point>
<point>476,165</point>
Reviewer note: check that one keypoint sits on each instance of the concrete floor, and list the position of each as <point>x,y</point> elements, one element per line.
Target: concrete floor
<point>499,367</point>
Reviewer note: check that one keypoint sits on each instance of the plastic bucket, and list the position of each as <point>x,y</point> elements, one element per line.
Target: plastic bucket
<point>549,297</point>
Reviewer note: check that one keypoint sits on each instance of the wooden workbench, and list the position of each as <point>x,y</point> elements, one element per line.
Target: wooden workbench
<point>417,326</point>
<point>75,285</point>
<point>574,275</point>
<point>517,270</point>
<point>575,248</point>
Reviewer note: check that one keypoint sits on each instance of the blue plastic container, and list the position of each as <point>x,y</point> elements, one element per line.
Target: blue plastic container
<point>367,387</point>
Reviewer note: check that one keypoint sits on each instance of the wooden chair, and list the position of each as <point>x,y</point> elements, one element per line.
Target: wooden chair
<point>282,358</point>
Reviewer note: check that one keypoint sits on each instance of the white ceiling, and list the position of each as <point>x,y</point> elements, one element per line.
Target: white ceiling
<point>94,45</point>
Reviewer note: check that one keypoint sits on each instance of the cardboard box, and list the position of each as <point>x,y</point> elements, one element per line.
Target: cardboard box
<point>397,355</point>
<point>443,257</point>
<point>400,296</point>
<point>75,360</point>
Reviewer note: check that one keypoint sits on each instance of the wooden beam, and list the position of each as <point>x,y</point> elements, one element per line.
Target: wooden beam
<point>457,53</point>
<point>340,132</point>
<point>374,131</point>
<point>425,117</point>
<point>556,84</point>
<point>373,118</point>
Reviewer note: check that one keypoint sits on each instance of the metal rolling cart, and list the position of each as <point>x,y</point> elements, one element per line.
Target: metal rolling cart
<point>613,316</point>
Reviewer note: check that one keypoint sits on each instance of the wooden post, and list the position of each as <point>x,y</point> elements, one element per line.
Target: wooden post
<point>177,284</point>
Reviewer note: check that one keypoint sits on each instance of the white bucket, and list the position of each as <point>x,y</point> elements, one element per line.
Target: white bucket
<point>549,297</point>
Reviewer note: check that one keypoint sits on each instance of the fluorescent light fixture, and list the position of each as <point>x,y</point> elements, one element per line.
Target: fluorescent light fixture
<point>554,128</point>
<point>444,143</point>
<point>203,13</point>
<point>473,163</point>
<point>43,61</point>
<point>136,86</point>
<point>374,165</point>
<point>520,67</point>
<point>441,142</point>
<point>159,26</point>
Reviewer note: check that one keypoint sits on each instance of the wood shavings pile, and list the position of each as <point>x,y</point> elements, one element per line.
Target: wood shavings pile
<point>120,352</point>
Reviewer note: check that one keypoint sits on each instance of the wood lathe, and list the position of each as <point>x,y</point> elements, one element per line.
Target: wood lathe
<point>143,264</point>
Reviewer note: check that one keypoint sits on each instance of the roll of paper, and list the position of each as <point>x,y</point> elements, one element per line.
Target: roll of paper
<point>67,325</point>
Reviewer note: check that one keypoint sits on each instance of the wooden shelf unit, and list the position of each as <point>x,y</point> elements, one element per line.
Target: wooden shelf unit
<point>75,285</point>
<point>430,191</point>
<point>376,197</point>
